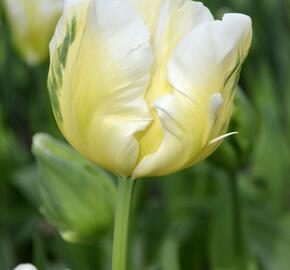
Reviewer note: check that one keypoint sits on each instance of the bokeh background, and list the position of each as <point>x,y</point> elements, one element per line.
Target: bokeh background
<point>231,212</point>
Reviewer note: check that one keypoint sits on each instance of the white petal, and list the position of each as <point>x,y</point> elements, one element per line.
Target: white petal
<point>149,9</point>
<point>206,65</point>
<point>170,20</point>
<point>180,17</point>
<point>205,58</point>
<point>126,35</point>
<point>176,19</point>
<point>183,122</point>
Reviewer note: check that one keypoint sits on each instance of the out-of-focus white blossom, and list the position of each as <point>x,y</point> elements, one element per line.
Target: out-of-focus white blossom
<point>25,266</point>
<point>32,23</point>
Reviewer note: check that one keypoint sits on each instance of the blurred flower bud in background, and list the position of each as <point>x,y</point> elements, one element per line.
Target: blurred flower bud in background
<point>26,266</point>
<point>145,94</point>
<point>77,197</point>
<point>32,24</point>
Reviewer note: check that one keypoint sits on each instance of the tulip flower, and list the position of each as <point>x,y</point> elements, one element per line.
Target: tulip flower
<point>32,24</point>
<point>145,88</point>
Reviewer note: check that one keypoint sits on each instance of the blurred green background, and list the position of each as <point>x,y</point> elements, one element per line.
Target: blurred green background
<point>231,212</point>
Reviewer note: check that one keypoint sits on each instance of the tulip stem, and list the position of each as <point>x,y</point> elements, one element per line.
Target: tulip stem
<point>122,221</point>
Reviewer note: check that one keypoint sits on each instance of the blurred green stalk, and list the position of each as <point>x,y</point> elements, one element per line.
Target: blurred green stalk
<point>241,253</point>
<point>122,220</point>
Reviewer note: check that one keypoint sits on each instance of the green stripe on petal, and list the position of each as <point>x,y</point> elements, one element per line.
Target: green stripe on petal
<point>59,60</point>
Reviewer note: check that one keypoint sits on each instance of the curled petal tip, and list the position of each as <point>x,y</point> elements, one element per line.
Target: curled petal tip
<point>222,137</point>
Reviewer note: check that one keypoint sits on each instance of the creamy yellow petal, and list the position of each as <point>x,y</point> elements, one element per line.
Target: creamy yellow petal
<point>102,98</point>
<point>215,53</point>
<point>175,19</point>
<point>64,48</point>
<point>221,124</point>
<point>183,122</point>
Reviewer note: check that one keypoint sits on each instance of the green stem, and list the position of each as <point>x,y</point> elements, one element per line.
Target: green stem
<point>122,220</point>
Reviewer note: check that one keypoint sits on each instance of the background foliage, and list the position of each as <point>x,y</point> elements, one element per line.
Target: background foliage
<point>230,212</point>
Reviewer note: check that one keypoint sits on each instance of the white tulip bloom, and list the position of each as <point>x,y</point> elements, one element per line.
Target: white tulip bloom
<point>145,87</point>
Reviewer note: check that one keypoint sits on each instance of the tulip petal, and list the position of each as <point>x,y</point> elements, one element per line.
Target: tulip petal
<point>218,50</point>
<point>220,138</point>
<point>63,48</point>
<point>149,9</point>
<point>204,59</point>
<point>183,122</point>
<point>203,70</point>
<point>102,100</point>
<point>72,9</point>
<point>162,15</point>
<point>175,20</point>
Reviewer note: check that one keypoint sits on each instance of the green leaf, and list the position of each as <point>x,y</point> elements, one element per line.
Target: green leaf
<point>77,197</point>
